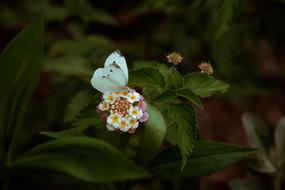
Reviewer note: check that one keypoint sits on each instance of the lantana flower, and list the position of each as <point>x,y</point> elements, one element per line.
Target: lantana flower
<point>125,110</point>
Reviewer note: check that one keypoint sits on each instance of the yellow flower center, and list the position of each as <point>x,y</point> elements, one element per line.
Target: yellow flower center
<point>117,93</point>
<point>132,122</point>
<point>104,105</point>
<point>123,124</point>
<point>133,97</point>
<point>115,119</point>
<point>110,98</point>
<point>125,93</point>
<point>135,112</point>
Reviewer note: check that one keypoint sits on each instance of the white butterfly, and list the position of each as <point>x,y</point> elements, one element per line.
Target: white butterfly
<point>114,76</point>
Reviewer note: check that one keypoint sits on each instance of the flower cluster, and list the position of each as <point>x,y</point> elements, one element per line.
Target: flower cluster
<point>124,109</point>
<point>174,58</point>
<point>206,68</point>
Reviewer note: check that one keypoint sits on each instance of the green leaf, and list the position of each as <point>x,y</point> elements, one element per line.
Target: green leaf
<point>80,101</point>
<point>70,66</point>
<point>86,158</point>
<point>104,17</point>
<point>207,157</point>
<point>153,135</point>
<point>166,95</point>
<point>176,78</point>
<point>280,140</point>
<point>20,66</point>
<point>72,132</point>
<point>224,14</point>
<point>204,85</point>
<point>189,95</point>
<point>161,67</point>
<point>261,163</point>
<point>256,131</point>
<point>146,77</point>
<point>185,118</point>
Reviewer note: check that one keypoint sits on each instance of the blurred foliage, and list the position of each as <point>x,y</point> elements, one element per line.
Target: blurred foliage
<point>270,159</point>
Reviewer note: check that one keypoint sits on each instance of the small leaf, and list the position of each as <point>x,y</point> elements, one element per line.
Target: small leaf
<point>86,158</point>
<point>207,157</point>
<point>189,95</point>
<point>89,117</point>
<point>77,104</point>
<point>280,140</point>
<point>153,135</point>
<point>203,85</point>
<point>166,95</point>
<point>20,66</point>
<point>176,78</point>
<point>72,132</point>
<point>146,77</point>
<point>185,118</point>
<point>257,133</point>
<point>261,163</point>
<point>104,17</point>
<point>161,67</point>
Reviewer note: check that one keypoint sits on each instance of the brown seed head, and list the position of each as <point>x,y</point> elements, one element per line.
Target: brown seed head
<point>206,68</point>
<point>174,58</point>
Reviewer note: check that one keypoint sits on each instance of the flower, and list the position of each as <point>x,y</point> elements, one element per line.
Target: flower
<point>142,104</point>
<point>133,97</point>
<point>132,130</point>
<point>206,68</point>
<point>103,106</point>
<point>136,112</point>
<point>108,97</point>
<point>123,110</point>
<point>133,123</point>
<point>145,117</point>
<point>116,94</point>
<point>174,58</point>
<point>124,93</point>
<point>114,120</point>
<point>123,126</point>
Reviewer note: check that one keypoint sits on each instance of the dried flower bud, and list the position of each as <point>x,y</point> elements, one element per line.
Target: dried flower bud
<point>206,68</point>
<point>174,58</point>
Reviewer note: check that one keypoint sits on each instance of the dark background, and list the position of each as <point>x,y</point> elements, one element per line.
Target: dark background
<point>243,40</point>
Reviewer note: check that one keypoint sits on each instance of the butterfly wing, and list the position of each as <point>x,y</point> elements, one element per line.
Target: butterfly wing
<point>117,58</point>
<point>109,79</point>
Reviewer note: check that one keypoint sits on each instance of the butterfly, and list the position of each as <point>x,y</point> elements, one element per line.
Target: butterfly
<point>114,76</point>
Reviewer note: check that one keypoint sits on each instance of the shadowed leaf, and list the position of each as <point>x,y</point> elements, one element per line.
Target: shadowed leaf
<point>206,158</point>
<point>82,157</point>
